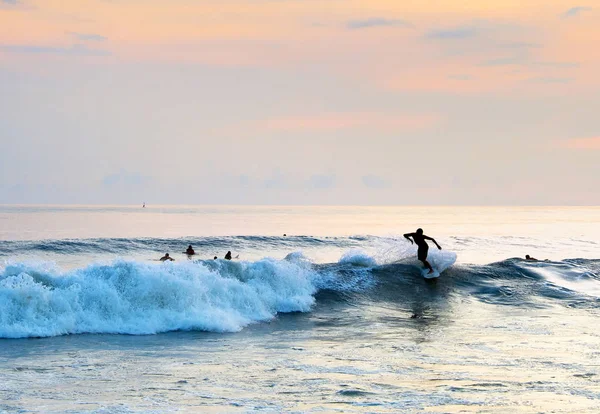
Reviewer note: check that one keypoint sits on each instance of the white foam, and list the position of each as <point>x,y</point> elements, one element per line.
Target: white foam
<point>142,298</point>
<point>358,258</point>
<point>567,275</point>
<point>441,259</point>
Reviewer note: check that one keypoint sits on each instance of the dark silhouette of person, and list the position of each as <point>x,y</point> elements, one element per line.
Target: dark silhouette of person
<point>228,256</point>
<point>215,258</point>
<point>419,238</point>
<point>190,251</point>
<point>166,257</point>
<point>531,259</point>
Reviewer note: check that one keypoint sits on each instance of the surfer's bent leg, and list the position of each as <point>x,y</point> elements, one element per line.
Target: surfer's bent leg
<point>428,266</point>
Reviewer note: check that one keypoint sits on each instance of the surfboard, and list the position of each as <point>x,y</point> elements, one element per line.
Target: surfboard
<point>427,275</point>
<point>440,260</point>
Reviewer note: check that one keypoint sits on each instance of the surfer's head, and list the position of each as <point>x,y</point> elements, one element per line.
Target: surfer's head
<point>527,257</point>
<point>419,231</point>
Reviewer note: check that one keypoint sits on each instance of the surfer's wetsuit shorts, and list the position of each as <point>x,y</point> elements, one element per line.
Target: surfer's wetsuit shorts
<point>422,252</point>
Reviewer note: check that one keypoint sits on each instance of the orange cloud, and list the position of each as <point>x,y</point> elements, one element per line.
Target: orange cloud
<point>592,143</point>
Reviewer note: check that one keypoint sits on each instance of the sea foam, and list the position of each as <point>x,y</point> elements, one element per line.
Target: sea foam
<point>131,297</point>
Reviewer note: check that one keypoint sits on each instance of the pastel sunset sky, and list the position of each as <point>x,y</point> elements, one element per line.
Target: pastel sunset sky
<point>300,102</point>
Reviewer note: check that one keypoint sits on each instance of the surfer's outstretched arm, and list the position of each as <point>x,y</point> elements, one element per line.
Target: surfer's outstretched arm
<point>408,237</point>
<point>433,240</point>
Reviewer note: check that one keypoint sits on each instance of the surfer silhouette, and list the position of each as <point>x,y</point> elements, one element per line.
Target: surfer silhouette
<point>190,251</point>
<point>229,257</point>
<point>420,238</point>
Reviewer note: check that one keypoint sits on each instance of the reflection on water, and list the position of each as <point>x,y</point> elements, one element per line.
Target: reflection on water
<point>462,358</point>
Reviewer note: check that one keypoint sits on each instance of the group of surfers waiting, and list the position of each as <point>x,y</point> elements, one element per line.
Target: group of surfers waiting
<point>190,252</point>
<point>417,237</point>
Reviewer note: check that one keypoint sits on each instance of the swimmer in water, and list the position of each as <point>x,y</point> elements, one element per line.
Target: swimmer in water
<point>228,256</point>
<point>419,238</point>
<point>190,251</point>
<point>533,259</point>
<point>166,257</point>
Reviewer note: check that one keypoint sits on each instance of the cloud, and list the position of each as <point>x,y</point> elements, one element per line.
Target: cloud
<point>457,33</point>
<point>526,61</point>
<point>575,11</point>
<point>376,22</point>
<point>321,181</point>
<point>558,64</point>
<point>74,50</point>
<point>16,5</point>
<point>504,61</point>
<point>592,143</point>
<point>520,45</point>
<point>460,77</point>
<point>373,181</point>
<point>277,180</point>
<point>550,80</point>
<point>89,37</point>
<point>351,120</point>
<point>10,5</point>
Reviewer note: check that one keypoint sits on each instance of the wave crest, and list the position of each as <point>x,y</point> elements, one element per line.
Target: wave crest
<point>136,298</point>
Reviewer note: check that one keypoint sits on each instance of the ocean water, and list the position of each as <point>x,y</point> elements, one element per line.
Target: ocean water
<point>333,316</point>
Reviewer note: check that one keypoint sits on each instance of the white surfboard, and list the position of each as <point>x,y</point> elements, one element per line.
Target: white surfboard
<point>440,260</point>
<point>427,275</point>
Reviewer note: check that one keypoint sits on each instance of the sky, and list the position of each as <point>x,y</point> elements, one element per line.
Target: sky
<point>378,102</point>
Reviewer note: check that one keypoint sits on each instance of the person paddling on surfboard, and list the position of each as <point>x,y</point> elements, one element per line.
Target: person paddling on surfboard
<point>420,238</point>
<point>166,257</point>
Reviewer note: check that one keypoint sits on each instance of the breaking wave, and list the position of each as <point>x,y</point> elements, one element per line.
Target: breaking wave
<point>132,297</point>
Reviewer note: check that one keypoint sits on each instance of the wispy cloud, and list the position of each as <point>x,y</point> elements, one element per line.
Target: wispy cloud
<point>575,11</point>
<point>550,80</point>
<point>373,181</point>
<point>591,143</point>
<point>376,22</point>
<point>460,77</point>
<point>520,45</point>
<point>564,65</point>
<point>17,5</point>
<point>88,37</point>
<point>11,5</point>
<point>74,50</point>
<point>341,121</point>
<point>527,61</point>
<point>505,61</point>
<point>322,181</point>
<point>277,180</point>
<point>457,33</point>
